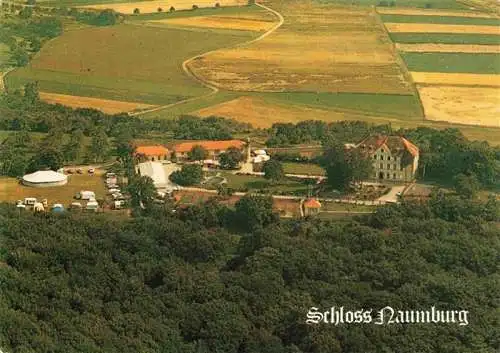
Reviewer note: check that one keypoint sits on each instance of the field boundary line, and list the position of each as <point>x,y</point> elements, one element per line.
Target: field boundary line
<point>401,62</point>
<point>206,83</point>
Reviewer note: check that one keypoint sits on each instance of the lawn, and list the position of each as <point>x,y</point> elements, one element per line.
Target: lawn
<point>453,62</point>
<point>446,38</point>
<point>260,184</point>
<point>11,190</point>
<point>303,168</point>
<point>347,207</point>
<point>440,19</point>
<point>123,62</point>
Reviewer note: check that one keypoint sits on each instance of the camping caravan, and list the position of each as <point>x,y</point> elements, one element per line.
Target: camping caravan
<point>38,207</point>
<point>92,206</point>
<point>85,195</point>
<point>30,201</point>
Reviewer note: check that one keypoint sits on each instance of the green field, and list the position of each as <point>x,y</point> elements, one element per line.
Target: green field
<point>91,62</point>
<point>446,38</point>
<point>401,106</point>
<point>4,56</point>
<point>436,4</point>
<point>440,20</point>
<point>453,62</point>
<point>229,10</point>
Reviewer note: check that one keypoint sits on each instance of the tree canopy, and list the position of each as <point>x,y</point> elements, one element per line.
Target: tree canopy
<point>186,282</point>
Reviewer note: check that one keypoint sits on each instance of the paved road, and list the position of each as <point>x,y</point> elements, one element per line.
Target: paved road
<point>212,86</point>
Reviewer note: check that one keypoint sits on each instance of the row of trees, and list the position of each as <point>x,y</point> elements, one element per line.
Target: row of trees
<point>209,278</point>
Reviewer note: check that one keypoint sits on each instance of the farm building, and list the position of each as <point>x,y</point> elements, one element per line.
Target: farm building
<point>45,178</point>
<point>152,153</point>
<point>214,148</point>
<point>394,157</point>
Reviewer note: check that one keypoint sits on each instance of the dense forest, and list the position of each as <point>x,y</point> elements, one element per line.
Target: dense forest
<point>212,279</point>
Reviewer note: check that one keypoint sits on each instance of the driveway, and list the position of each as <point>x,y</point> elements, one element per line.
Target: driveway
<point>392,195</point>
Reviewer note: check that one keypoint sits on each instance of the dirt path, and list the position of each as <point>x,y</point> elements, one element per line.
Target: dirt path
<point>2,78</point>
<point>210,85</point>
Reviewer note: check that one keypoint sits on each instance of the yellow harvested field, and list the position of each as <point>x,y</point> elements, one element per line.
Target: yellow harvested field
<point>462,105</point>
<point>223,22</point>
<point>459,79</point>
<point>430,12</point>
<point>320,48</point>
<point>257,112</point>
<point>104,105</point>
<point>440,28</point>
<point>447,48</point>
<point>152,6</point>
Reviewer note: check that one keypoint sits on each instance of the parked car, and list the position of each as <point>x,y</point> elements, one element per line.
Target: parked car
<point>113,191</point>
<point>91,171</point>
<point>70,171</point>
<point>79,171</point>
<point>110,175</point>
<point>118,204</point>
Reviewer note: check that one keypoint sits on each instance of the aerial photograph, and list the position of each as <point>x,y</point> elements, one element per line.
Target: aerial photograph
<point>249,176</point>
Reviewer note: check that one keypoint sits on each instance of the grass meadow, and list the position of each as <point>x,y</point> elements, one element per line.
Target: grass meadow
<point>437,4</point>
<point>484,63</point>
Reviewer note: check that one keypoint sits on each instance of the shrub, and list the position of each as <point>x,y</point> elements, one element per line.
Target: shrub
<point>160,9</point>
<point>428,5</point>
<point>383,3</point>
<point>172,9</point>
<point>195,7</point>
<point>217,5</point>
<point>137,11</point>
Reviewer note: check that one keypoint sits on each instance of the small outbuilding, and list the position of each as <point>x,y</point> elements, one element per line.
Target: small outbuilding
<point>311,207</point>
<point>45,178</point>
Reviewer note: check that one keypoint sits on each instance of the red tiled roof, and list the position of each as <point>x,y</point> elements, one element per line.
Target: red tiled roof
<point>157,150</point>
<point>394,143</point>
<point>312,203</point>
<point>209,145</point>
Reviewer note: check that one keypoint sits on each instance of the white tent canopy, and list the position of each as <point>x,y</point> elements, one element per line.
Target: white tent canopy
<point>45,178</point>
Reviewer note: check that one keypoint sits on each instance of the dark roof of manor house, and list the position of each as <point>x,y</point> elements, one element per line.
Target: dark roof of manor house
<point>397,145</point>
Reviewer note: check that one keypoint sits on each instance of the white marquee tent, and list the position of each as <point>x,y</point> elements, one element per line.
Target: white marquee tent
<point>45,178</point>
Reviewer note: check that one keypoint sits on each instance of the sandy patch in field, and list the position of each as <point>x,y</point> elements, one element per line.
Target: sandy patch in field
<point>104,105</point>
<point>319,48</point>
<point>463,105</point>
<point>152,6</point>
<point>439,78</point>
<point>430,12</point>
<point>440,28</point>
<point>223,22</point>
<point>448,48</point>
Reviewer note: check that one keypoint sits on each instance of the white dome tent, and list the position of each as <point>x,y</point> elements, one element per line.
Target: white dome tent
<point>45,178</point>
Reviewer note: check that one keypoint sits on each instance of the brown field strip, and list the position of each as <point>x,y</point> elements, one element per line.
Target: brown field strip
<point>152,6</point>
<point>462,105</point>
<point>104,105</point>
<point>440,28</point>
<point>430,12</point>
<point>439,78</point>
<point>222,22</point>
<point>319,48</point>
<point>257,112</point>
<point>447,48</point>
